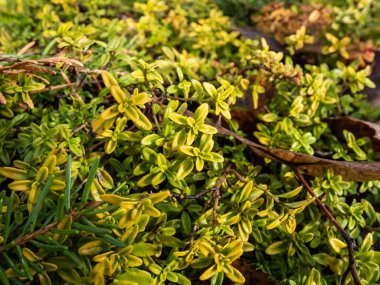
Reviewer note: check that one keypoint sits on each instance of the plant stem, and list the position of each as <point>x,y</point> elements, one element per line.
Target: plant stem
<point>28,237</point>
<point>349,240</point>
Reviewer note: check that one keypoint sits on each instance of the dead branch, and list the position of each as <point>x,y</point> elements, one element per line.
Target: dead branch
<point>349,240</point>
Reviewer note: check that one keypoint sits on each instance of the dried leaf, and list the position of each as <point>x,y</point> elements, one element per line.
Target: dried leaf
<point>359,128</point>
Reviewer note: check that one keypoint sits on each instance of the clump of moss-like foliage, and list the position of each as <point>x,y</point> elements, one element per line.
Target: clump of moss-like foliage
<point>120,161</point>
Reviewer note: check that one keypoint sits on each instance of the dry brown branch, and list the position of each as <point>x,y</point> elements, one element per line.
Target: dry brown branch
<point>19,65</point>
<point>311,165</point>
<point>349,240</point>
<point>299,161</point>
<point>359,128</point>
<point>53,88</point>
<point>26,48</point>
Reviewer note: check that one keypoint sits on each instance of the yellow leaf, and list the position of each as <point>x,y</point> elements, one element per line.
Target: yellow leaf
<point>337,245</point>
<point>105,119</point>
<point>208,273</point>
<point>277,248</point>
<point>158,197</point>
<point>233,274</point>
<point>118,94</point>
<point>14,173</point>
<point>92,247</point>
<point>44,279</point>
<point>112,199</point>
<point>21,185</point>
<point>277,221</point>
<point>108,79</point>
<point>30,255</point>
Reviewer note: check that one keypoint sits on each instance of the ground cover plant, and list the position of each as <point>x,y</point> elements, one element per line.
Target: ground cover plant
<point>151,142</point>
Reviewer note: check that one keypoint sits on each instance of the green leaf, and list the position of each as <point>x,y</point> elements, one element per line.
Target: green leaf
<point>206,129</point>
<point>8,217</point>
<point>185,169</point>
<point>108,79</point>
<point>226,93</point>
<point>3,278</point>
<point>14,173</point>
<point>136,276</point>
<point>149,155</point>
<point>182,279</point>
<point>177,118</point>
<point>233,274</point>
<point>67,198</point>
<point>159,196</point>
<point>112,199</point>
<point>270,118</point>
<point>140,98</point>
<point>114,241</point>
<point>32,220</point>
<point>105,120</point>
<point>367,243</point>
<point>158,179</point>
<point>214,157</point>
<point>188,150</point>
<point>90,179</point>
<point>277,221</point>
<point>300,204</point>
<point>105,178</point>
<point>179,139</point>
<point>150,139</point>
<point>69,275</point>
<point>145,249</point>
<point>117,94</point>
<point>60,211</point>
<point>210,89</point>
<point>208,273</point>
<point>277,248</point>
<point>291,193</point>
<point>314,277</point>
<point>151,211</point>
<point>20,185</point>
<point>168,52</point>
<point>199,163</point>
<point>217,279</point>
<point>201,113</point>
<point>146,179</point>
<point>131,112</point>
<point>197,86</point>
<point>336,244</point>
<point>93,247</point>
<point>171,241</point>
<point>186,223</point>
<point>142,122</point>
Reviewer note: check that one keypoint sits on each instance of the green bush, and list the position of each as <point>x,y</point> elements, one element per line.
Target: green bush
<point>123,158</point>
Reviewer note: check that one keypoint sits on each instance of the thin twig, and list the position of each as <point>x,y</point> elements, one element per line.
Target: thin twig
<point>215,196</point>
<point>26,48</point>
<point>53,88</point>
<point>77,129</point>
<point>265,190</point>
<point>91,148</point>
<point>28,237</point>
<point>349,240</point>
<point>192,197</point>
<point>259,149</point>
